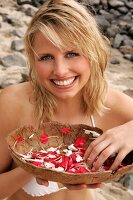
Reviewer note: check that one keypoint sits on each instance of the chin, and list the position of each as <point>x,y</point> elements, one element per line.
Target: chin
<point>67,96</point>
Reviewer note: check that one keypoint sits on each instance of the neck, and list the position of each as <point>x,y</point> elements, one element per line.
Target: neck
<point>70,111</point>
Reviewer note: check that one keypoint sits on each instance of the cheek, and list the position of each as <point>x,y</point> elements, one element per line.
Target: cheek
<point>42,72</point>
<point>84,68</point>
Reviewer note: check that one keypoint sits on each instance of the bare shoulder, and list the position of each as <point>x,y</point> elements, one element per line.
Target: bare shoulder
<point>14,92</point>
<point>12,100</point>
<point>120,103</point>
<point>115,97</point>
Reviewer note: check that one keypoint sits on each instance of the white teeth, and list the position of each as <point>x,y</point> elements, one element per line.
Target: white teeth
<point>64,82</point>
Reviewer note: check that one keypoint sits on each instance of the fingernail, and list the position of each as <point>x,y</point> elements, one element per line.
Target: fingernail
<point>84,186</point>
<point>93,169</point>
<point>88,161</point>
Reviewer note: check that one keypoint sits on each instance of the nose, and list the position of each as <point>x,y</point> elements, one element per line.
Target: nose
<point>60,67</point>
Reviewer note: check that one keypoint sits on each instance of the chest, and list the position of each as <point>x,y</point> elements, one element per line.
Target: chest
<point>106,121</point>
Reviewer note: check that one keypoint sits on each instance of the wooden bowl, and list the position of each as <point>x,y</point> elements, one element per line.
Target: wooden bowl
<point>25,141</point>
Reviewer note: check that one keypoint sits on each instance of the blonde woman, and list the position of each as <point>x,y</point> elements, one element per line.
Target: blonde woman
<point>67,57</point>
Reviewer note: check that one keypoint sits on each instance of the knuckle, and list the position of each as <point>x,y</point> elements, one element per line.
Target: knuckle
<point>96,150</point>
<point>128,146</point>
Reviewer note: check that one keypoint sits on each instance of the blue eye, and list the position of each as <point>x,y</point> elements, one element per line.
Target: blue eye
<point>71,54</point>
<point>46,58</point>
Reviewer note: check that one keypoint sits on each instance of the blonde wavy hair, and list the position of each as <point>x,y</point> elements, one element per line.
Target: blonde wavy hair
<point>68,24</point>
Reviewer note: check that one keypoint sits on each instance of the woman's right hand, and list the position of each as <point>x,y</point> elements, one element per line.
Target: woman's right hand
<point>42,182</point>
<point>82,186</point>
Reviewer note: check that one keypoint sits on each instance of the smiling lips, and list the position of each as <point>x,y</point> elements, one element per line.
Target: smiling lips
<point>65,82</point>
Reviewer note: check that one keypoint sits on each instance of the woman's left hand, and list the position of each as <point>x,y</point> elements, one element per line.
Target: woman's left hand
<point>83,186</point>
<point>116,140</point>
<point>71,186</point>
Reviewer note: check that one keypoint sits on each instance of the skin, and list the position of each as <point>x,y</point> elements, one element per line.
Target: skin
<point>52,65</point>
<point>16,110</point>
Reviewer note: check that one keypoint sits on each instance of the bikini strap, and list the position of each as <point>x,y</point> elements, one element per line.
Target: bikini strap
<point>92,121</point>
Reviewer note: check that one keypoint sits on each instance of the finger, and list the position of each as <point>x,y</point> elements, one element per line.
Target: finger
<point>82,186</point>
<point>75,186</point>
<point>96,152</point>
<point>93,145</point>
<point>42,182</point>
<point>120,156</point>
<point>94,186</point>
<point>105,154</point>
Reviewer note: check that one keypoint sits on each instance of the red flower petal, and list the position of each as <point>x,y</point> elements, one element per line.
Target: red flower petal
<point>83,170</point>
<point>83,149</point>
<point>39,155</point>
<point>70,162</point>
<point>19,139</point>
<point>43,138</point>
<point>79,142</point>
<point>65,130</point>
<point>73,157</point>
<point>106,168</point>
<point>34,155</point>
<point>52,152</point>
<point>39,164</point>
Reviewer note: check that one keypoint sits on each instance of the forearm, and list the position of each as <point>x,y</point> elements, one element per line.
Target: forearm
<point>12,181</point>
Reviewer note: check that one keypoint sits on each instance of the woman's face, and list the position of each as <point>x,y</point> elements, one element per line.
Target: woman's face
<point>63,73</point>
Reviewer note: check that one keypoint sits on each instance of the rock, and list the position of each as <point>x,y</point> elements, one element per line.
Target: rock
<point>17,45</point>
<point>113,30</point>
<point>13,60</point>
<point>12,75</point>
<point>21,2</point>
<point>30,12</point>
<point>118,41</point>
<point>102,22</point>
<point>104,3</point>
<point>108,16</point>
<point>115,3</point>
<point>123,10</point>
<point>13,22</point>
<point>129,4</point>
<point>25,76</point>
<point>95,2</point>
<point>116,13</point>
<point>18,32</point>
<point>127,180</point>
<point>115,61</point>
<point>127,41</point>
<point>126,49</point>
<point>130,31</point>
<point>130,93</point>
<point>128,56</point>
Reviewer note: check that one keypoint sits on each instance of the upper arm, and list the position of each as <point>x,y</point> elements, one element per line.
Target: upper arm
<point>8,122</point>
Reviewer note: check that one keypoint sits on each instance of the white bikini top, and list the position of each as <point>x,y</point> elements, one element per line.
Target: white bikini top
<point>34,189</point>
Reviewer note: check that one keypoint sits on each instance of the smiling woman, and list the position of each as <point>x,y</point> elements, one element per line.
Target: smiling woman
<point>67,57</point>
<point>63,29</point>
